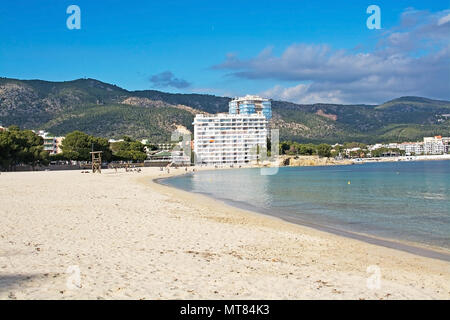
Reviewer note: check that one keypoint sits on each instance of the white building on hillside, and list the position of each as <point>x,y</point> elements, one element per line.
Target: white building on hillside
<point>115,141</point>
<point>375,146</point>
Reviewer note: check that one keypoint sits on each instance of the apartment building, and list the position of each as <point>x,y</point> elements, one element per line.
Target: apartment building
<point>236,137</point>
<point>436,145</point>
<point>51,144</point>
<point>412,148</point>
<point>430,145</point>
<point>229,138</point>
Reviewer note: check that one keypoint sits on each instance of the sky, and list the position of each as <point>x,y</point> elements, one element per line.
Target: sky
<point>298,51</point>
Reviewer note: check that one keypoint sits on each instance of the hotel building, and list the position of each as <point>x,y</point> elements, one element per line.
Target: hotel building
<point>436,145</point>
<point>234,137</point>
<point>430,146</point>
<point>412,148</point>
<point>51,144</point>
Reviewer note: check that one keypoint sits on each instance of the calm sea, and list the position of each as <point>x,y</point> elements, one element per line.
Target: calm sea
<point>397,200</point>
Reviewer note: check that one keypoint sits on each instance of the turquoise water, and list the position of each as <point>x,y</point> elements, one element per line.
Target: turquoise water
<point>397,200</point>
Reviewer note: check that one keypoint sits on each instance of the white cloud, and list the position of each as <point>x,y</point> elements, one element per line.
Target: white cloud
<point>302,93</point>
<point>411,59</point>
<point>444,20</point>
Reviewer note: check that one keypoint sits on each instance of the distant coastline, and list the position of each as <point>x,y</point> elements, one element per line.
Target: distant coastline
<point>404,158</point>
<point>303,161</point>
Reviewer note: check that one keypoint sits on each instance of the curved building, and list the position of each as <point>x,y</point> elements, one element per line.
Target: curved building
<point>250,105</point>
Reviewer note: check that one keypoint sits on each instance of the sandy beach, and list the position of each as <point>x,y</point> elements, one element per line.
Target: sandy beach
<point>68,235</point>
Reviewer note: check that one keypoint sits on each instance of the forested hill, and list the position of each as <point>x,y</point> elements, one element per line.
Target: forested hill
<point>107,110</point>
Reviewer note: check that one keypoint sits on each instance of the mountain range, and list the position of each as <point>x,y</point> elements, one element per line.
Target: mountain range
<point>107,110</point>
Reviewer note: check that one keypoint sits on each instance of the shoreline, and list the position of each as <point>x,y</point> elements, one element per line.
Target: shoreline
<point>441,157</point>
<point>133,238</point>
<point>301,161</point>
<point>418,249</point>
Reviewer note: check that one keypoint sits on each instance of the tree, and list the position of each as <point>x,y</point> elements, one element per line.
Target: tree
<point>307,149</point>
<point>32,148</point>
<point>102,144</point>
<point>284,147</point>
<point>324,150</point>
<point>5,149</point>
<point>292,150</point>
<point>338,150</point>
<point>351,145</point>
<point>77,145</point>
<point>380,151</point>
<point>129,150</point>
<point>152,147</point>
<point>21,147</point>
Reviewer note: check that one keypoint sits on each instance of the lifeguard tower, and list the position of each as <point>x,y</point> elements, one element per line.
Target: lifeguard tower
<point>96,161</point>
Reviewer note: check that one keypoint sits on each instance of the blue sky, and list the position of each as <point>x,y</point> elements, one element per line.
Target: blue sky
<point>301,51</point>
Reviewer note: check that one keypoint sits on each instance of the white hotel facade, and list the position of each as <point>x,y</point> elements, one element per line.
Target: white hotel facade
<point>430,146</point>
<point>234,137</point>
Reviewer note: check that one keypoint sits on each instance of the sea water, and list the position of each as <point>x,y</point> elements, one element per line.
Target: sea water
<point>395,200</point>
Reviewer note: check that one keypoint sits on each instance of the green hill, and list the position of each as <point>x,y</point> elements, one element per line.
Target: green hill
<point>107,110</point>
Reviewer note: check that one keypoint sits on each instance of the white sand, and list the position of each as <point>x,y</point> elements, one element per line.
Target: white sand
<point>134,239</point>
